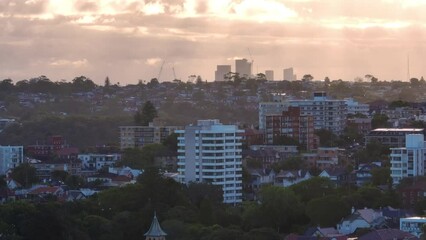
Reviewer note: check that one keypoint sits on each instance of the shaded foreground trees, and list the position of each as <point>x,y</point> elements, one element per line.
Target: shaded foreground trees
<point>190,212</point>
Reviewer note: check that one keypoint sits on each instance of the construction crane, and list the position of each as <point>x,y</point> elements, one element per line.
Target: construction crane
<point>251,58</point>
<point>174,73</point>
<point>161,70</point>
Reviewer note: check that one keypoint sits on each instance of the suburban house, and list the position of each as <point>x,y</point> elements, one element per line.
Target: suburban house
<point>260,177</point>
<point>364,172</point>
<point>338,175</point>
<point>288,178</point>
<point>387,234</point>
<point>322,232</point>
<point>361,218</point>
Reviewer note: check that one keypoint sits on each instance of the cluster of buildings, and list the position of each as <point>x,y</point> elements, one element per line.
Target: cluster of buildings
<point>245,69</point>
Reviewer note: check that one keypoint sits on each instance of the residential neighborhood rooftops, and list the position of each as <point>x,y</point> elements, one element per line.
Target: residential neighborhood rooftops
<point>387,234</point>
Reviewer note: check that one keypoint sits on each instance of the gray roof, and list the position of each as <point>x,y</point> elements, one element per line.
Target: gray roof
<point>155,229</point>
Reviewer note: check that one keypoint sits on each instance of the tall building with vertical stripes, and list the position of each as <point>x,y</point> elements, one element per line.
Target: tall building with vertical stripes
<point>210,152</point>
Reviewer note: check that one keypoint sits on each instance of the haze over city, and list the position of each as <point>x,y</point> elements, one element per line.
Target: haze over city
<point>129,40</point>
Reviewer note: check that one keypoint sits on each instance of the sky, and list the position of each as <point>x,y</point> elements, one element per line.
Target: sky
<point>130,40</point>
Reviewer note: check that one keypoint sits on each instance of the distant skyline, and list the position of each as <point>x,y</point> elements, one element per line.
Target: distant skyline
<point>129,40</point>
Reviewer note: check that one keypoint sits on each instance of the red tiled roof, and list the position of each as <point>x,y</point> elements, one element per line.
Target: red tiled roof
<point>44,190</point>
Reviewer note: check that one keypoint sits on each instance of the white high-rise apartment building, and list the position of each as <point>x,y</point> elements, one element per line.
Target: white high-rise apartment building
<point>408,161</point>
<point>211,152</point>
<point>10,157</point>
<point>327,113</point>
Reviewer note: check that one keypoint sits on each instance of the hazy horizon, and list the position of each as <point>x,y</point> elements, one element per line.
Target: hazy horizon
<point>129,40</point>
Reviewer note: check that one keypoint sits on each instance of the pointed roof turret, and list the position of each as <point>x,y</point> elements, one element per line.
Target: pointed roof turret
<point>155,229</point>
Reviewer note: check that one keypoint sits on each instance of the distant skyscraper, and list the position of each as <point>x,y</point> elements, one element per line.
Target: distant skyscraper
<point>243,67</point>
<point>269,75</point>
<point>220,72</point>
<point>288,74</point>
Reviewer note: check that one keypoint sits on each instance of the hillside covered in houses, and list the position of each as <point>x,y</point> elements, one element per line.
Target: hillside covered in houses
<point>284,159</point>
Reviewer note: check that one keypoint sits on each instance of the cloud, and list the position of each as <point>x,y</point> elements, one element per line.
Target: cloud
<point>69,63</point>
<point>153,61</point>
<point>123,38</point>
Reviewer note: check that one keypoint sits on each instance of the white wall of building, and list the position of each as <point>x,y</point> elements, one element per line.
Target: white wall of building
<point>211,152</point>
<point>10,157</point>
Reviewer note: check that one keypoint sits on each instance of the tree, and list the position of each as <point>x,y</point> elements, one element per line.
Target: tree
<point>371,78</point>
<point>261,77</point>
<point>59,175</point>
<point>280,206</point>
<point>74,182</point>
<point>313,188</point>
<point>379,121</point>
<point>291,163</point>
<point>199,80</point>
<point>285,140</point>
<point>197,192</point>
<point>83,84</point>
<point>307,78</point>
<point>414,82</point>
<point>327,138</point>
<point>381,176</point>
<point>153,83</point>
<point>6,85</point>
<point>107,82</point>
<point>171,142</point>
<point>327,211</point>
<point>25,174</point>
<point>147,115</point>
<point>327,80</point>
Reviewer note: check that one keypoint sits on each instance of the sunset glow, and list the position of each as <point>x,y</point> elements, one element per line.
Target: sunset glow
<point>201,34</point>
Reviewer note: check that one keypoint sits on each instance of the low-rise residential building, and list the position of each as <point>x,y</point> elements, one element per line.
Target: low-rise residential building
<point>354,107</point>
<point>388,234</point>
<point>413,193</point>
<point>269,154</point>
<point>323,157</point>
<point>362,125</point>
<point>252,137</point>
<point>91,161</point>
<point>412,225</point>
<point>55,146</point>
<point>338,175</point>
<point>261,177</point>
<point>391,137</point>
<point>287,178</point>
<point>5,122</point>
<point>10,157</point>
<point>327,113</point>
<point>109,179</point>
<point>402,112</point>
<point>44,169</point>
<point>364,172</point>
<point>139,136</point>
<point>361,218</point>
